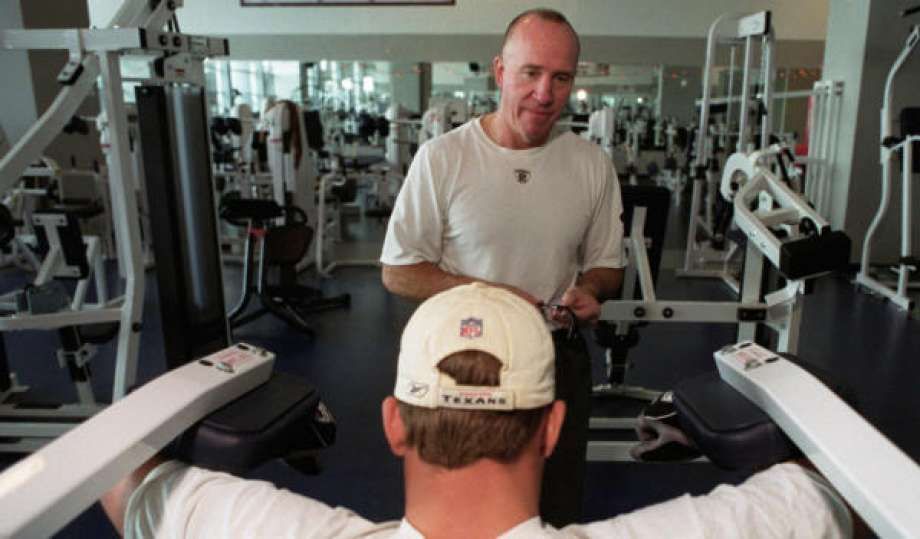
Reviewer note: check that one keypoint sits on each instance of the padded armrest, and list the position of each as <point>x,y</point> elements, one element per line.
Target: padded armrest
<point>730,430</point>
<point>726,427</point>
<point>282,417</point>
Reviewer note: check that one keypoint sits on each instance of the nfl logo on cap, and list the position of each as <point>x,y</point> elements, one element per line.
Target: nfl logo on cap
<point>471,328</point>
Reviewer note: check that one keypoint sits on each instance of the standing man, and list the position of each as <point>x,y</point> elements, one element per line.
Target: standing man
<point>507,199</point>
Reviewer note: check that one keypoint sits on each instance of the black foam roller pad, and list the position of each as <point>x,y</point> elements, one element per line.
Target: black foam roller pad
<point>814,254</point>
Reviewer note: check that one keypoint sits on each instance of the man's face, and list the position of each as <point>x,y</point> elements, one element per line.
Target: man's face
<point>535,73</point>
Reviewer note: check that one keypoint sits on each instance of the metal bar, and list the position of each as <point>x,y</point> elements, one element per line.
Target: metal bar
<point>877,479</point>
<point>599,451</point>
<point>680,311</point>
<point>107,39</point>
<point>640,257</point>
<point>23,445</point>
<point>903,302</point>
<point>42,492</point>
<point>793,94</point>
<point>695,197</point>
<point>18,322</point>
<point>729,98</point>
<point>745,96</point>
<point>767,76</point>
<point>49,125</point>
<point>51,429</point>
<point>612,423</point>
<point>907,166</point>
<point>20,414</point>
<point>887,157</point>
<point>123,187</point>
<point>775,217</point>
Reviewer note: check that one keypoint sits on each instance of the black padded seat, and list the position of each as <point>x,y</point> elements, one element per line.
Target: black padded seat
<point>98,333</point>
<point>81,209</point>
<point>734,433</point>
<point>240,209</point>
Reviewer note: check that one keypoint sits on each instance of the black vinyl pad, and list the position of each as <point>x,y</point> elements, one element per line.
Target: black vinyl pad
<point>284,416</point>
<point>727,428</point>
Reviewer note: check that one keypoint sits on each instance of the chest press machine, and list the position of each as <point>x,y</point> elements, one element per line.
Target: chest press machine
<point>708,254</point>
<point>138,27</point>
<point>782,230</point>
<point>768,399</point>
<point>226,411</point>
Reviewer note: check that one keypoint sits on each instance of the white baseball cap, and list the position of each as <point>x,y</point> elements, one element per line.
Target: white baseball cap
<point>484,318</point>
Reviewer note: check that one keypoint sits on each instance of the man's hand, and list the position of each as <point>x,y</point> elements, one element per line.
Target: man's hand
<point>592,287</point>
<point>583,304</point>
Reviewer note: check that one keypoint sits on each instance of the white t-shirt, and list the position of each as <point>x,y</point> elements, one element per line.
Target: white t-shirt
<point>530,218</point>
<point>176,500</point>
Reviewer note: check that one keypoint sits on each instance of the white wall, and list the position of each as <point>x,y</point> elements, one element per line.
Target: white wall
<point>864,40</point>
<point>794,19</point>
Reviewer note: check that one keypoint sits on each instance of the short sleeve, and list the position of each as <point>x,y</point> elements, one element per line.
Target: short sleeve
<point>603,243</point>
<point>177,500</point>
<point>782,501</point>
<point>414,232</point>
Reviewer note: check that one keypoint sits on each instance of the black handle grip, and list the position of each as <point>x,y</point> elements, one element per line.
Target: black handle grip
<point>910,11</point>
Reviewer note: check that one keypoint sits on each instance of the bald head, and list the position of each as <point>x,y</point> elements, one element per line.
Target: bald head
<point>543,14</point>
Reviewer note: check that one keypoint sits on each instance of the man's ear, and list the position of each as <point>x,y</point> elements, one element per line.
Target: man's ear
<point>554,419</point>
<point>498,70</point>
<point>393,427</point>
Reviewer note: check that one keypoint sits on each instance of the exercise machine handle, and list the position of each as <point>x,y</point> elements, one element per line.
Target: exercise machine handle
<point>910,11</point>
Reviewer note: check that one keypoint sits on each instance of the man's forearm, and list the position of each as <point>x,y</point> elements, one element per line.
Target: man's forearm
<point>420,281</point>
<point>602,283</point>
<point>423,280</point>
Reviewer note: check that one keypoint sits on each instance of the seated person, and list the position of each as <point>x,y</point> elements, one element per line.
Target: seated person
<point>473,417</point>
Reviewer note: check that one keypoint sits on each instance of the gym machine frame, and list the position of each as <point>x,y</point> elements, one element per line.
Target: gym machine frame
<point>747,182</point>
<point>823,121</point>
<point>890,145</point>
<point>734,29</point>
<point>397,163</point>
<point>136,28</point>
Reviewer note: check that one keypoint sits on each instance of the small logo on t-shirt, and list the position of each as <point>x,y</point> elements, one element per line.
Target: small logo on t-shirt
<point>521,175</point>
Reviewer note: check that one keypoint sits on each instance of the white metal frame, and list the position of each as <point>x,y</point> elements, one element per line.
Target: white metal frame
<point>895,292</point>
<point>876,478</point>
<point>700,259</point>
<point>95,53</point>
<point>823,121</point>
<point>781,312</point>
<point>322,241</point>
<point>43,492</point>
